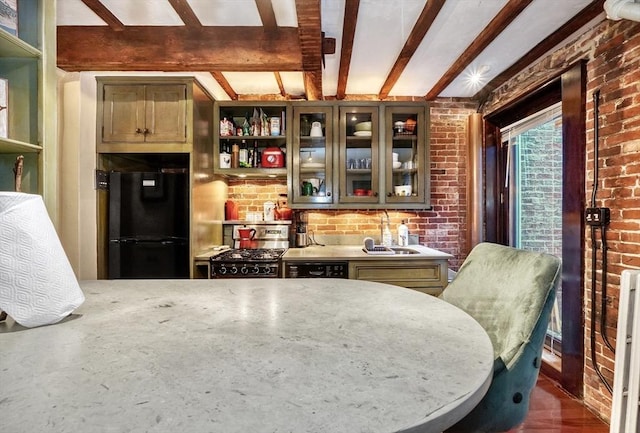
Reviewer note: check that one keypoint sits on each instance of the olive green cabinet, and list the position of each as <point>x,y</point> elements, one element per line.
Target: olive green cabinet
<point>311,161</point>
<point>425,275</point>
<point>143,115</point>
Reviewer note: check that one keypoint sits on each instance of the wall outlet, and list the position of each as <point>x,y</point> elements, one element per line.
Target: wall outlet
<point>597,216</point>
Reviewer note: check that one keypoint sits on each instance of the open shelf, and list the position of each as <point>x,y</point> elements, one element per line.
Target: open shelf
<point>8,145</point>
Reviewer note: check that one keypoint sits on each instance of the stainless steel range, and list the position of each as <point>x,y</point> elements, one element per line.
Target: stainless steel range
<point>256,252</point>
<point>247,263</point>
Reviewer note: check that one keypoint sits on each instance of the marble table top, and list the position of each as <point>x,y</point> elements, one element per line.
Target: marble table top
<point>245,355</point>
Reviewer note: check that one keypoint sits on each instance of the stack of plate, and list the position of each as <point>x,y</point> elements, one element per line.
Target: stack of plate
<point>363,129</point>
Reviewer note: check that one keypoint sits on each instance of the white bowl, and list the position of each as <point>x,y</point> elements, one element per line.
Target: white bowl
<point>402,190</point>
<point>363,126</point>
<point>397,164</point>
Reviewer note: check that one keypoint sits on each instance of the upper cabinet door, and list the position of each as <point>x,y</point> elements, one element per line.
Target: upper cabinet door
<point>166,113</point>
<point>312,156</point>
<point>123,118</point>
<point>358,161</point>
<point>406,159</point>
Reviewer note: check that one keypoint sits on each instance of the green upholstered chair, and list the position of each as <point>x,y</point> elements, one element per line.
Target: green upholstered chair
<point>510,292</point>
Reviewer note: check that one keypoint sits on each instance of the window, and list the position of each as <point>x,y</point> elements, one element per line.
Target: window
<point>534,180</point>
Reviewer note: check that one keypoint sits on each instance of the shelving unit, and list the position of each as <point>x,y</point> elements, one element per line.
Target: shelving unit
<point>27,62</point>
<point>237,112</point>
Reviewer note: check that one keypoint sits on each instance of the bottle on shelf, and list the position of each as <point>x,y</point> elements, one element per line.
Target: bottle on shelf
<point>387,238</point>
<point>403,234</point>
<point>246,126</point>
<point>243,154</point>
<point>255,155</point>
<point>225,156</point>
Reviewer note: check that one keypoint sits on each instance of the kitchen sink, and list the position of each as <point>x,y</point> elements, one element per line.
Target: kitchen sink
<point>402,250</point>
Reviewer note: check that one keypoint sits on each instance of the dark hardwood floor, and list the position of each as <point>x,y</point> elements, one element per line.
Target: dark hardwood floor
<point>552,410</point>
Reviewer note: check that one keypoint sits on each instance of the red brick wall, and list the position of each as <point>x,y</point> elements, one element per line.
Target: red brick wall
<point>443,227</point>
<point>612,51</point>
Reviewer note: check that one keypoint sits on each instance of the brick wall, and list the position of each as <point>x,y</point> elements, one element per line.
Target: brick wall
<point>612,51</point>
<point>443,227</point>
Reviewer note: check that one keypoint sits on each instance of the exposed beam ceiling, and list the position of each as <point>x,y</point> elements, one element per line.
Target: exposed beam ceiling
<point>400,49</point>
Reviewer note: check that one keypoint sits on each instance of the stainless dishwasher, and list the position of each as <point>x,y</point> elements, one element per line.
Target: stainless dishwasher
<point>316,269</point>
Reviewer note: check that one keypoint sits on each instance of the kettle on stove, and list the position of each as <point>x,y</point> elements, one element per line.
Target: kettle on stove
<point>246,237</point>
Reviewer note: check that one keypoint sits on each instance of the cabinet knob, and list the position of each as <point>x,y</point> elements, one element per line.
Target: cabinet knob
<point>145,131</point>
<point>388,194</point>
<point>138,131</point>
<point>375,194</point>
<point>328,194</point>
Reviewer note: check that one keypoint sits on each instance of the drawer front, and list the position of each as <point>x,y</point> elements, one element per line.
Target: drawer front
<point>421,275</point>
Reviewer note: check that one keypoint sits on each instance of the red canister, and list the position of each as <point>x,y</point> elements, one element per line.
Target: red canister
<point>272,157</point>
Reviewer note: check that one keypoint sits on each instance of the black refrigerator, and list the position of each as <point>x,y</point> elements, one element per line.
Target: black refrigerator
<point>148,225</point>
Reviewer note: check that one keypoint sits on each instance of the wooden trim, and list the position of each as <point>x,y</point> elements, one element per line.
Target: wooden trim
<point>573,203</point>
<point>280,84</point>
<point>570,88</point>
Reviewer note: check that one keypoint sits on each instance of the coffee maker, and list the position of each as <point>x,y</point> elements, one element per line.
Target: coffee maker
<point>300,239</point>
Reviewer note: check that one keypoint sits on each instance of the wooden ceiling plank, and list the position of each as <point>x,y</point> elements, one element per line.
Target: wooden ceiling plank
<point>268,17</point>
<point>310,41</point>
<point>587,14</point>
<point>280,84</point>
<point>424,22</point>
<point>505,17</point>
<point>186,14</point>
<point>220,78</point>
<point>181,48</point>
<point>104,14</point>
<point>350,21</point>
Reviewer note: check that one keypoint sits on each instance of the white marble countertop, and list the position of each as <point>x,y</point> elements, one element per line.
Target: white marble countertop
<point>267,355</point>
<point>355,252</point>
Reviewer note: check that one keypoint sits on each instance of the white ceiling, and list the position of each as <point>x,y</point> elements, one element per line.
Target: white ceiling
<point>381,31</point>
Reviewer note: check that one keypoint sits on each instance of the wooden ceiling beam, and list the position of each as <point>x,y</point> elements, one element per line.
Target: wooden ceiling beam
<point>186,14</point>
<point>144,48</point>
<point>590,12</point>
<point>350,21</point>
<point>283,92</point>
<point>104,14</point>
<point>268,17</point>
<point>310,42</point>
<point>423,24</point>
<point>220,78</point>
<point>505,17</point>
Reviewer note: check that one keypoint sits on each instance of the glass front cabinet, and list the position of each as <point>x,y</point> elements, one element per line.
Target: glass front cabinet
<point>405,156</point>
<point>358,162</point>
<point>310,180</point>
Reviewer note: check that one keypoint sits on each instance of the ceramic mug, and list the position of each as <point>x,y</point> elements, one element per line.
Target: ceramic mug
<point>308,188</point>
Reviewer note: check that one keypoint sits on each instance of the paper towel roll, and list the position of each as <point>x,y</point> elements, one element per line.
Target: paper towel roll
<point>37,284</point>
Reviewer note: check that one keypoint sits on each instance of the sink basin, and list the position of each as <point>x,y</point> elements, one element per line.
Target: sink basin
<point>402,250</point>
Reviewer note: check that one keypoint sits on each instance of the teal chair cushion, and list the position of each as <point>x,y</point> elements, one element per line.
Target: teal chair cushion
<point>510,292</point>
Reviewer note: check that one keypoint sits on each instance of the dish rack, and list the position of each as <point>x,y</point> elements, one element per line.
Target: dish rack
<point>379,250</point>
